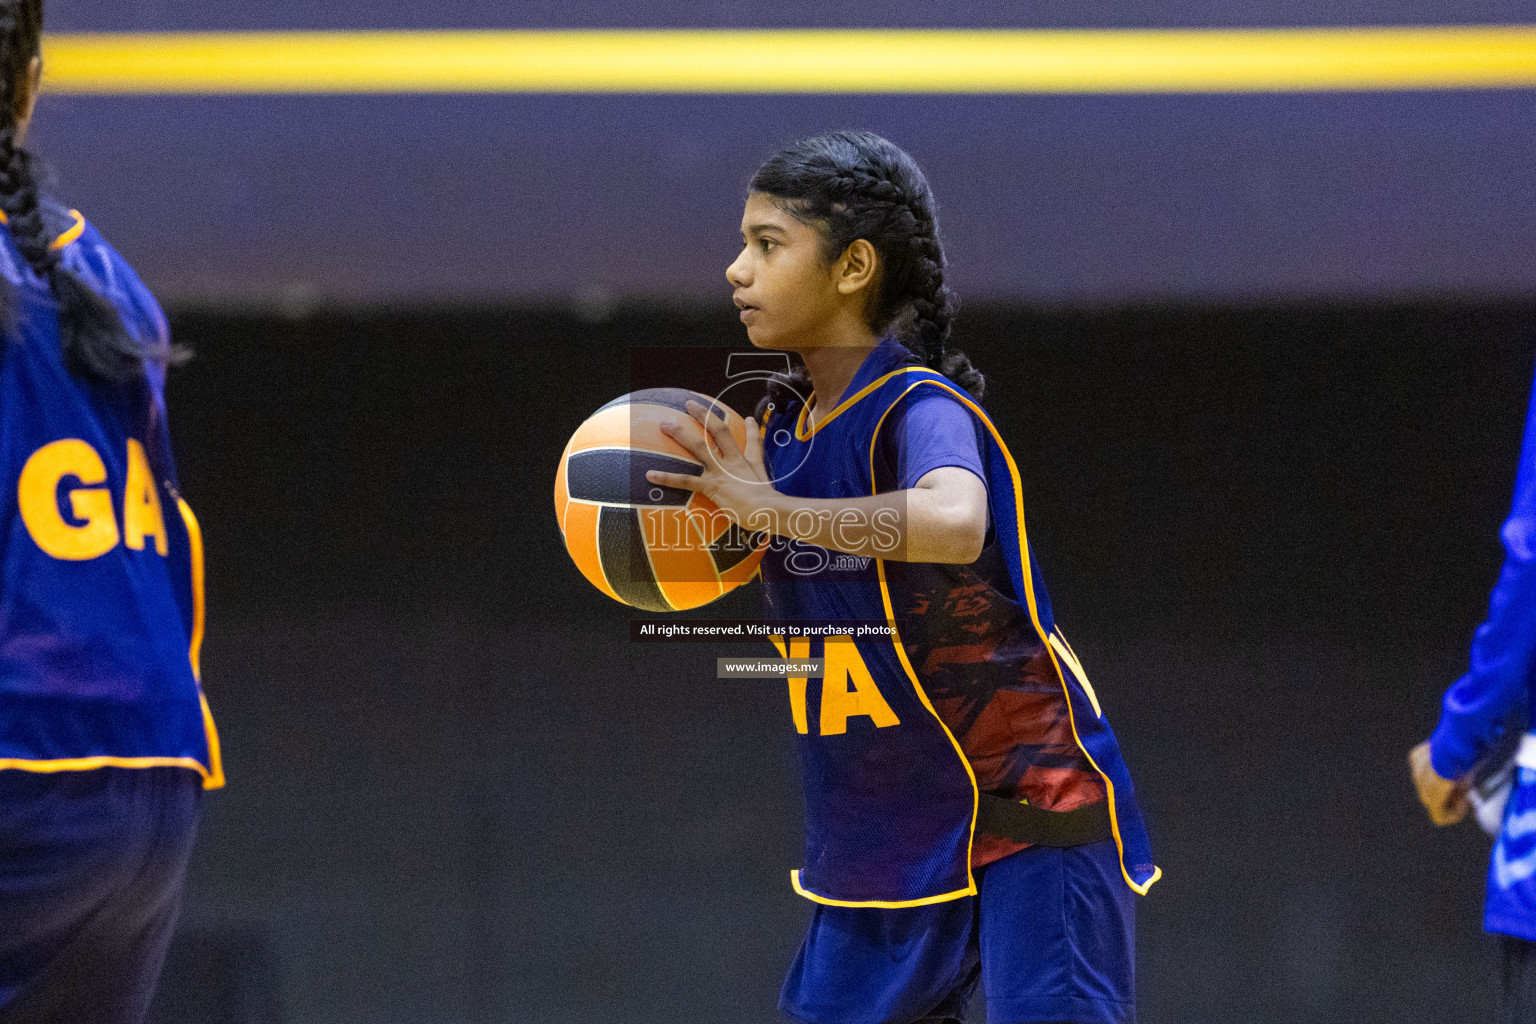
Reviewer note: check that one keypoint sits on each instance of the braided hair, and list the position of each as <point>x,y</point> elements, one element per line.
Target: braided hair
<point>854,185</point>
<point>95,342</point>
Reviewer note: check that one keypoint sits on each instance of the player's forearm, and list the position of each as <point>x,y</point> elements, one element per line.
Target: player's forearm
<point>914,525</point>
<point>1504,646</point>
<point>1503,651</point>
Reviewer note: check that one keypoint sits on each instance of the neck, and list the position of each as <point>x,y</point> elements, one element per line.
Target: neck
<point>831,371</point>
<point>832,362</point>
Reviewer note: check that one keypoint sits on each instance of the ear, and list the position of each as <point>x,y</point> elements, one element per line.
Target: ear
<point>857,267</point>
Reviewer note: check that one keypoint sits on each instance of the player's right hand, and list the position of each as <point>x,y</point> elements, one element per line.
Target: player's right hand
<point>734,478</point>
<point>1445,800</point>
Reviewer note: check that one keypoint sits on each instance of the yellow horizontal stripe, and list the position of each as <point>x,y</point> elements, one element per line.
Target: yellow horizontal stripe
<point>798,61</point>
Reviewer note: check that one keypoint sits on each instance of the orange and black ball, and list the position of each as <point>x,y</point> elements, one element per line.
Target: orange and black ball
<point>658,548</point>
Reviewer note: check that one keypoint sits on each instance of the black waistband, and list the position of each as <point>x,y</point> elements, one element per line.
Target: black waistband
<point>1023,823</point>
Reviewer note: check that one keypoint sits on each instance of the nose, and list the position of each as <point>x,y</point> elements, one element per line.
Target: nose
<point>737,273</point>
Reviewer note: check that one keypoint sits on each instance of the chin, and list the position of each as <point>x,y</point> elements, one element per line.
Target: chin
<point>760,338</point>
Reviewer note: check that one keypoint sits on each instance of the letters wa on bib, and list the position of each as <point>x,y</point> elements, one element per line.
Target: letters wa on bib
<point>979,691</point>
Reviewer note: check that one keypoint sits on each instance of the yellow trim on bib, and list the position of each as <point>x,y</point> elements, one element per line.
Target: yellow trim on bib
<point>195,541</point>
<point>214,778</point>
<point>70,233</point>
<point>85,764</point>
<point>794,880</point>
<point>801,434</point>
<point>1064,651</point>
<point>66,236</point>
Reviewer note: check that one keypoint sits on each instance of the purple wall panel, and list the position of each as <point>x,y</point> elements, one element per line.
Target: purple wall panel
<point>1072,199</point>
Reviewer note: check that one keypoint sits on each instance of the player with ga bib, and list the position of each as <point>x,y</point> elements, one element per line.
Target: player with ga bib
<point>969,816</point>
<point>106,743</point>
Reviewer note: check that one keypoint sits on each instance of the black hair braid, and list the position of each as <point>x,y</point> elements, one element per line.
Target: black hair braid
<point>933,311</point>
<point>95,342</point>
<point>784,394</point>
<point>854,185</point>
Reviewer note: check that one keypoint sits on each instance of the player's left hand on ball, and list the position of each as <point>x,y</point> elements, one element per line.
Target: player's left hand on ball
<point>1444,799</point>
<point>734,478</point>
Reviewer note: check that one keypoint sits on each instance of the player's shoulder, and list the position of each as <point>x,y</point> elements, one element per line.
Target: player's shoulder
<point>83,250</point>
<point>933,414</point>
<point>930,393</point>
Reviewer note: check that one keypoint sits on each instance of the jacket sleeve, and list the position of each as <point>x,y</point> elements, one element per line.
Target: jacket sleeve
<point>1504,646</point>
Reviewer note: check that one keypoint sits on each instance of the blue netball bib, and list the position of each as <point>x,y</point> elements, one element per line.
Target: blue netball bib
<point>891,799</point>
<point>100,559</point>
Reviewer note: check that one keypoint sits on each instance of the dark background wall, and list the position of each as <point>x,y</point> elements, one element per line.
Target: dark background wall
<point>458,794</point>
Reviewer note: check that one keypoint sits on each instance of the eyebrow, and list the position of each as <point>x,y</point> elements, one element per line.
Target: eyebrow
<point>757,229</point>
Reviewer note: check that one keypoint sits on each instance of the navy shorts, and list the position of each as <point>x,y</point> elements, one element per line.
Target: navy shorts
<point>91,871</point>
<point>1050,938</point>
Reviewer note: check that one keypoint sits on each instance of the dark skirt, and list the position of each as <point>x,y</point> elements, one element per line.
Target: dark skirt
<point>92,865</point>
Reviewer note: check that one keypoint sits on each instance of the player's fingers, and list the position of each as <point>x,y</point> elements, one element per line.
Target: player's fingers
<point>1432,795</point>
<point>1425,780</point>
<point>754,450</point>
<point>713,421</point>
<point>701,414</point>
<point>690,435</point>
<point>699,411</point>
<point>1450,812</point>
<point>683,480</point>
